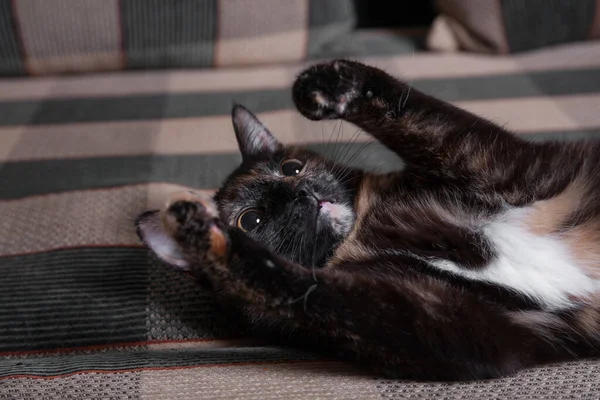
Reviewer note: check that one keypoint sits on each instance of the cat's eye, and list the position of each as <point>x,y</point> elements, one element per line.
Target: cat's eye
<point>249,219</point>
<point>291,167</point>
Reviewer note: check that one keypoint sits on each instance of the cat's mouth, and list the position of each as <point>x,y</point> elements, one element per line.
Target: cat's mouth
<point>325,203</point>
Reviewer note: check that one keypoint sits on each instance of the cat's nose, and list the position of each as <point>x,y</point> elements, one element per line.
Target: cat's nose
<point>302,190</point>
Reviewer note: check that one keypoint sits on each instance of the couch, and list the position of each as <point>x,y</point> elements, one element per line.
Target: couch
<point>107,107</point>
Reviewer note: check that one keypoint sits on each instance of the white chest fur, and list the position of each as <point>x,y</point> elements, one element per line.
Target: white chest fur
<point>540,267</point>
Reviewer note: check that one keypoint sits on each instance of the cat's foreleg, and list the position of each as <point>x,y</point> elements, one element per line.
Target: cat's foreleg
<point>429,133</point>
<point>414,328</point>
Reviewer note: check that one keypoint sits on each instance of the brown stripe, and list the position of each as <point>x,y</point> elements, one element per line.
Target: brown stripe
<point>121,35</point>
<point>172,343</point>
<point>419,66</point>
<point>211,135</point>
<point>595,29</point>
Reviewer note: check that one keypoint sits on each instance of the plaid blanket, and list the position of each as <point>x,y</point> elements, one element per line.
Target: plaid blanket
<point>85,313</point>
<point>39,37</point>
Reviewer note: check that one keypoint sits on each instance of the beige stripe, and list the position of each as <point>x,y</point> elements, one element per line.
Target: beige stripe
<point>175,136</point>
<point>418,66</point>
<point>315,380</point>
<point>541,114</point>
<point>90,61</point>
<point>71,35</point>
<point>215,134</point>
<point>9,138</point>
<point>483,23</point>
<point>78,218</point>
<point>276,33</point>
<point>274,47</point>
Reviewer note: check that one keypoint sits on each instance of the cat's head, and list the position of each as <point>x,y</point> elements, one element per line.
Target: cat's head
<point>289,199</point>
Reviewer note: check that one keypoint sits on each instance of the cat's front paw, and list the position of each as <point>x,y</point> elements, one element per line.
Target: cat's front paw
<point>186,233</point>
<point>192,219</point>
<point>329,90</point>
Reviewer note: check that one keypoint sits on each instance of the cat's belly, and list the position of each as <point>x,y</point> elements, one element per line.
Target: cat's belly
<point>543,266</point>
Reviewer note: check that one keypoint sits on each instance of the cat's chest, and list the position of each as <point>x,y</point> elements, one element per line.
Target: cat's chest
<point>507,249</point>
<point>541,265</point>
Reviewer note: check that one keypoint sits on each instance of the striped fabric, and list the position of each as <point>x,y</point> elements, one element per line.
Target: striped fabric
<point>39,37</point>
<point>510,26</point>
<point>86,313</point>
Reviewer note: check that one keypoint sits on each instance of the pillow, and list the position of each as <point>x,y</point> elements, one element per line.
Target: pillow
<point>51,36</point>
<point>510,26</point>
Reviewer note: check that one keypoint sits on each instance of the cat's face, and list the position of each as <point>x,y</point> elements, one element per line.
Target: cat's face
<point>292,201</point>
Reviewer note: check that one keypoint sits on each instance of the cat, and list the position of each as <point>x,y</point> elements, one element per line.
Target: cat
<point>478,259</point>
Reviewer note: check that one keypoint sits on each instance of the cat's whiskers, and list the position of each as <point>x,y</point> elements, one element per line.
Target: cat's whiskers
<point>359,151</point>
<point>350,143</point>
<point>276,235</point>
<point>337,143</point>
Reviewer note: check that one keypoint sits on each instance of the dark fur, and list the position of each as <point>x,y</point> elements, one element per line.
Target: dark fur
<point>370,294</point>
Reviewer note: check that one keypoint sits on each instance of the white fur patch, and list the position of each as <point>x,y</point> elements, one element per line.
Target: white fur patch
<point>537,266</point>
<point>340,216</point>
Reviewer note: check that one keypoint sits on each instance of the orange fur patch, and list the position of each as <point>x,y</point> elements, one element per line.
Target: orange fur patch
<point>218,242</point>
<point>547,215</point>
<point>583,241</point>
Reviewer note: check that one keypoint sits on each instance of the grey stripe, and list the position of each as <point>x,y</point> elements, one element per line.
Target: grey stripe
<point>168,34</point>
<point>200,171</point>
<point>181,105</point>
<point>10,55</point>
<point>361,44</point>
<point>206,171</point>
<point>115,361</point>
<point>328,21</point>
<point>49,292</point>
<point>539,23</point>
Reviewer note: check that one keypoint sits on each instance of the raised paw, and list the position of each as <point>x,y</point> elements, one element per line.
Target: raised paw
<point>187,231</point>
<point>329,90</point>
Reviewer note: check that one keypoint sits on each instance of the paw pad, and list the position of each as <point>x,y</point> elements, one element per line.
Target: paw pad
<point>326,91</point>
<point>194,217</point>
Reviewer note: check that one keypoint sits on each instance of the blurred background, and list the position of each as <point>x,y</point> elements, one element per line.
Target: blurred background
<point>107,106</point>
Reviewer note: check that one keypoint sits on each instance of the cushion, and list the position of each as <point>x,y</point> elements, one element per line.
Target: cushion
<point>510,26</point>
<point>53,36</point>
<point>86,313</point>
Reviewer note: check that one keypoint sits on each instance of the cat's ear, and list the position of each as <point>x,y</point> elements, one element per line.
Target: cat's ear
<point>150,230</point>
<point>252,136</point>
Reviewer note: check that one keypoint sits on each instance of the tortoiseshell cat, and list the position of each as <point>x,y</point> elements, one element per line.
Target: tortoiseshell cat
<point>480,258</point>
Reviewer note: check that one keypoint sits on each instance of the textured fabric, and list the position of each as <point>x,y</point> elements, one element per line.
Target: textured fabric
<point>40,37</point>
<point>11,62</point>
<point>276,31</point>
<point>69,35</point>
<point>86,313</point>
<point>510,26</point>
